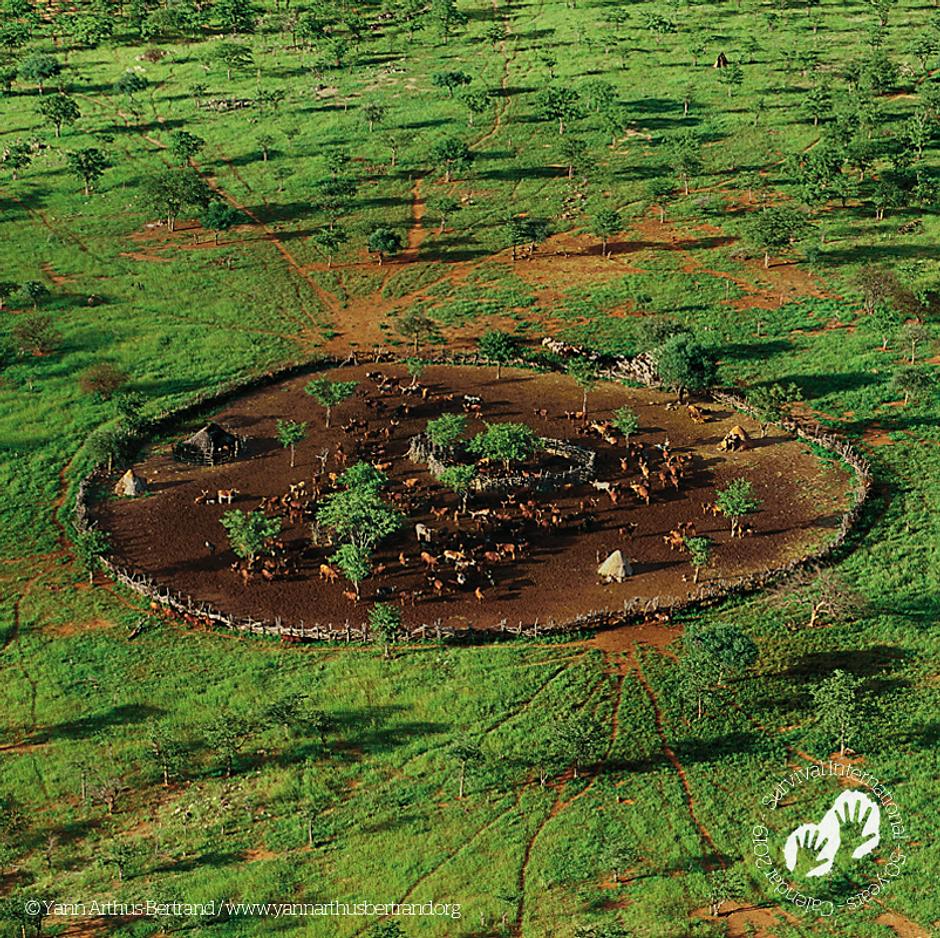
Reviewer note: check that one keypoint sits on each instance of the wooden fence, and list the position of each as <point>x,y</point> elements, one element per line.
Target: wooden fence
<point>640,370</point>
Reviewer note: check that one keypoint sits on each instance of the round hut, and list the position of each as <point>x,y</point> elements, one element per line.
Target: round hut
<point>209,446</point>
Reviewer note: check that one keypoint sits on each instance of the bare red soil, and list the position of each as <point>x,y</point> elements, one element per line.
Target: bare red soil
<point>165,533</point>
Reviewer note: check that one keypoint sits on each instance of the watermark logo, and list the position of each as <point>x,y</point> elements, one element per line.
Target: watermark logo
<point>841,861</point>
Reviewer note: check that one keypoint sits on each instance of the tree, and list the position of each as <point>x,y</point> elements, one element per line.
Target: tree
<point>417,326</point>
<point>38,68</point>
<point>525,231</point>
<point>289,434</point>
<point>383,241</point>
<point>465,752</point>
<point>476,101</point>
<point>724,650</point>
<point>354,562</point>
<point>453,155</point>
<point>227,734</point>
<point>605,223</point>
<point>724,885</point>
<point>914,334</point>
<point>168,754</point>
<point>444,206</point>
<point>220,216</point>
<point>838,713</point>
<point>575,740</point>
<point>232,56</point>
<point>559,103</point>
<point>415,368</point>
<point>731,77</point>
<point>700,549</point>
<point>103,380</point>
<point>573,150</point>
<point>35,335</point>
<point>249,534</point>
<point>506,442</point>
<point>330,393</point>
<point>819,593</point>
<point>106,445</point>
<point>684,154</point>
<point>584,374</point>
<point>374,114</point>
<point>444,431</point>
<point>626,422</point>
<point>17,156</point>
<point>91,546</point>
<point>684,364</point>
<point>385,623</point>
<point>771,402</point>
<point>497,347</point>
<point>236,16</point>
<point>7,289</point>
<point>817,103</point>
<point>87,164</point>
<point>363,475</point>
<point>446,17</point>
<point>736,501</point>
<point>330,240</point>
<point>450,81</point>
<point>184,146</point>
<point>459,479</point>
<point>130,84</point>
<point>916,384</point>
<point>31,292</point>
<point>169,190</point>
<point>58,110</point>
<point>358,516</point>
<point>775,226</point>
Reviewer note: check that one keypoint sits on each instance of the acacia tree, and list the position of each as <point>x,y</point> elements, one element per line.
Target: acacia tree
<point>184,146</point>
<point>573,151</point>
<point>525,231</point>
<point>355,563</point>
<point>584,374</point>
<point>626,422</point>
<point>417,326</point>
<point>330,393</point>
<point>87,164</point>
<point>169,190</point>
<point>914,334</point>
<point>453,155</point>
<point>497,347</point>
<point>684,154</point>
<point>559,103</point>
<point>459,479</point>
<point>330,240</point>
<point>17,155</point>
<point>506,442</point>
<point>915,383</point>
<point>465,752</point>
<point>227,734</point>
<point>700,549</point>
<point>444,431</point>
<point>384,241</point>
<point>605,224</point>
<point>771,402</point>
<point>38,68</point>
<point>289,434</point>
<point>91,546</point>
<point>838,714</point>
<point>775,226</point>
<point>476,101</point>
<point>444,207</point>
<point>736,501</point>
<point>385,623</point>
<point>374,114</point>
<point>58,110</point>
<point>232,56</point>
<point>249,534</point>
<point>684,364</point>
<point>724,650</point>
<point>220,216</point>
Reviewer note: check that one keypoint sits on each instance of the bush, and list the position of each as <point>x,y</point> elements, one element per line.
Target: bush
<point>102,380</point>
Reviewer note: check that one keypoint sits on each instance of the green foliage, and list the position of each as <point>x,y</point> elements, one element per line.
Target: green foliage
<point>838,713</point>
<point>700,550</point>
<point>289,434</point>
<point>168,191</point>
<point>249,533</point>
<point>452,154</point>
<point>38,67</point>
<point>385,624</point>
<point>89,165</point>
<point>776,226</point>
<point>505,442</point>
<point>363,475</point>
<point>736,501</point>
<point>329,393</point>
<point>772,402</point>
<point>358,516</point>
<point>684,364</point>
<point>626,421</point>
<point>444,431</point>
<point>354,561</point>
<point>497,347</point>
<point>184,146</point>
<point>384,241</point>
<point>59,110</point>
<point>459,480</point>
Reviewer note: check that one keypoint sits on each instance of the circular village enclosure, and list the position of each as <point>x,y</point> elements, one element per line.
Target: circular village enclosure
<point>525,549</point>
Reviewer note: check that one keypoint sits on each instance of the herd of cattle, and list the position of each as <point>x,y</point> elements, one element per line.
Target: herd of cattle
<point>449,551</point>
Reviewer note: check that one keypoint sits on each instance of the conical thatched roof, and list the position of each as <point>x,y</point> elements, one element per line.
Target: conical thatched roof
<point>210,444</point>
<point>615,568</point>
<point>130,484</point>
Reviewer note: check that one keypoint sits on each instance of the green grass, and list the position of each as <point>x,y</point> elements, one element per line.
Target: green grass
<point>183,318</point>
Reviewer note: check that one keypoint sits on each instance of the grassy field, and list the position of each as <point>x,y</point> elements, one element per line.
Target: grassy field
<point>370,809</point>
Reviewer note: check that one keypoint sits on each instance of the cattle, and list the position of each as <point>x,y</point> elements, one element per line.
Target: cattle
<point>479,594</point>
<point>423,533</point>
<point>202,498</point>
<point>227,495</point>
<point>429,560</point>
<point>328,573</point>
<point>735,439</point>
<point>641,491</point>
<point>697,414</point>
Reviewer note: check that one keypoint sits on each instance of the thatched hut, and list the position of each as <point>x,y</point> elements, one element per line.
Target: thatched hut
<point>130,485</point>
<point>209,446</point>
<point>615,568</point>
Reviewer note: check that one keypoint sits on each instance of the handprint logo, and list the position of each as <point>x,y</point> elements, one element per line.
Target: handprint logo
<point>852,811</point>
<point>822,838</point>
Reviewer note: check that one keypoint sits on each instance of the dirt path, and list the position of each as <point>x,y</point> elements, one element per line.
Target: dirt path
<point>712,858</point>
